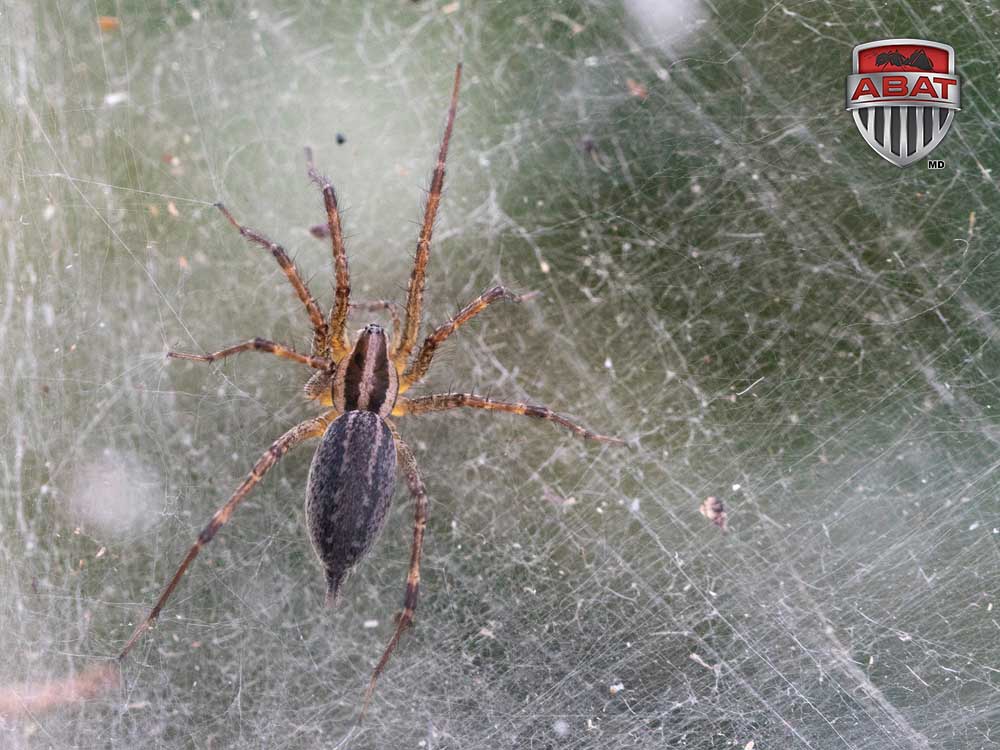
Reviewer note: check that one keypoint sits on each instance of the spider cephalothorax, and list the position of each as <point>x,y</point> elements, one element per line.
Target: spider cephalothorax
<point>366,379</point>
<point>361,383</point>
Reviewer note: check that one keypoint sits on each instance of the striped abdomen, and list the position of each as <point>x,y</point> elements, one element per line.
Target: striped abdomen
<point>351,481</point>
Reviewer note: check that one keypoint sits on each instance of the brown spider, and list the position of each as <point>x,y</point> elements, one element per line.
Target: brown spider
<point>353,470</point>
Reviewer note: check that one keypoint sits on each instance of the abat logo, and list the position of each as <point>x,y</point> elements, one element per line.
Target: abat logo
<point>903,94</point>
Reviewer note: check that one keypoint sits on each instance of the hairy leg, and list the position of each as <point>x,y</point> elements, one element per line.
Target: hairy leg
<point>416,487</point>
<point>256,345</point>
<point>443,401</point>
<point>342,295</point>
<point>415,290</point>
<point>301,290</point>
<point>309,429</point>
<point>422,360</point>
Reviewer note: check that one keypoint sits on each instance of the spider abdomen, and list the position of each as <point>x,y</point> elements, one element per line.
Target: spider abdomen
<point>351,481</point>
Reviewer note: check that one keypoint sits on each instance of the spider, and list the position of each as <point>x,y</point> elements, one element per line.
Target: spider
<point>361,384</point>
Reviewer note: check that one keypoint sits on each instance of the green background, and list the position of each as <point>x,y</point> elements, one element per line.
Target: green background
<point>732,280</point>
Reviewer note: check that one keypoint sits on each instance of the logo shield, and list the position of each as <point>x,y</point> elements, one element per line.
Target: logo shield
<point>903,94</point>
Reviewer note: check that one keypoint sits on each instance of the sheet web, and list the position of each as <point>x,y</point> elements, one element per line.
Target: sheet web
<point>730,279</point>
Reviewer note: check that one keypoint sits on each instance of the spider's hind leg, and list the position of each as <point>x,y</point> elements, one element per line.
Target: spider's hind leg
<point>311,428</point>
<point>416,487</point>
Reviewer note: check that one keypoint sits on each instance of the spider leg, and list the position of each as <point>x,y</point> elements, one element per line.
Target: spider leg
<point>415,290</point>
<point>309,429</point>
<point>257,345</point>
<point>342,295</point>
<point>422,360</point>
<point>301,290</point>
<point>442,401</point>
<point>416,486</point>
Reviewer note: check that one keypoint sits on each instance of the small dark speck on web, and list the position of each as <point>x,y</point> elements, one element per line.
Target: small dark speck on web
<point>341,139</point>
<point>588,145</point>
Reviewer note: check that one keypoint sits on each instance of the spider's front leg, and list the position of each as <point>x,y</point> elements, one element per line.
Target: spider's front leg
<point>337,327</point>
<point>294,277</point>
<point>422,360</point>
<point>415,289</point>
<point>416,486</point>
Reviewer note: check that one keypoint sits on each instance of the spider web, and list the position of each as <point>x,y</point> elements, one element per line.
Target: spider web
<point>731,279</point>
